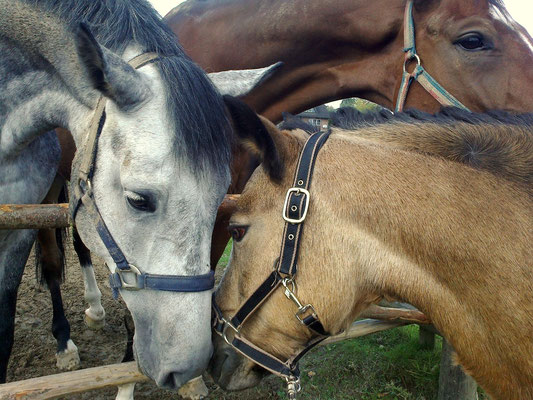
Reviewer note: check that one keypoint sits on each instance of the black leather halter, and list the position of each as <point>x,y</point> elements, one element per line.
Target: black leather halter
<point>84,195</point>
<point>294,213</point>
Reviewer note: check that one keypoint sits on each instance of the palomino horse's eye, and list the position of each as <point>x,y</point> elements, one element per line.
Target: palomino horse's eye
<point>473,42</point>
<point>237,233</point>
<point>140,203</point>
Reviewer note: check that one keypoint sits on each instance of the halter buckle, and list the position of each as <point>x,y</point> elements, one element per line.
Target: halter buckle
<point>297,191</point>
<point>132,270</point>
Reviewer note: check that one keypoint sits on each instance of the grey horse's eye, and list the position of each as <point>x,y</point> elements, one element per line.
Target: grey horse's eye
<point>141,202</point>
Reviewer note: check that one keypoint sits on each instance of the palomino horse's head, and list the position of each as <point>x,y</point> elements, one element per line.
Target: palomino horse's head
<point>476,51</point>
<point>256,227</point>
<point>407,210</point>
<point>159,169</point>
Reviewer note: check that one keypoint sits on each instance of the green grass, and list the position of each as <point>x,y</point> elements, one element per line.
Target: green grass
<point>225,256</point>
<point>386,365</point>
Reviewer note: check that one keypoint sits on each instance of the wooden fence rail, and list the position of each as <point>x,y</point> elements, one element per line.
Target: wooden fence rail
<point>67,383</point>
<point>38,216</point>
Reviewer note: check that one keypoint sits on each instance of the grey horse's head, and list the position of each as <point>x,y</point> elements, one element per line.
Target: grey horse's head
<point>162,159</point>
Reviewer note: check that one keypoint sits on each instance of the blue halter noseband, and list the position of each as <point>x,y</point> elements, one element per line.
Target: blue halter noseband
<point>127,276</point>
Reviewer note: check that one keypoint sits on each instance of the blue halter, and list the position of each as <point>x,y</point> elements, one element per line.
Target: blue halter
<point>127,276</point>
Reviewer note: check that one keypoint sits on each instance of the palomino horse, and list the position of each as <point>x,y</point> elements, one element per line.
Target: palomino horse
<point>152,168</point>
<point>343,48</point>
<point>435,211</point>
<point>337,49</point>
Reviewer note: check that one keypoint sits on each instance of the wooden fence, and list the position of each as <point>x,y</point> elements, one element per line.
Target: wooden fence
<point>453,383</point>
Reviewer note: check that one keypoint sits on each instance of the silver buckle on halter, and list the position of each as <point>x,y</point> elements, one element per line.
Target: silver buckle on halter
<point>297,191</point>
<point>132,270</point>
<point>289,293</point>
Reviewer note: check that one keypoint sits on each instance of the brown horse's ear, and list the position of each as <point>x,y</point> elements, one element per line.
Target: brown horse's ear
<point>251,130</point>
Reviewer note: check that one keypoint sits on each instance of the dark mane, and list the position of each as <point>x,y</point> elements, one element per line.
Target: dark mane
<point>197,110</point>
<point>344,119</point>
<point>496,141</point>
<point>291,122</point>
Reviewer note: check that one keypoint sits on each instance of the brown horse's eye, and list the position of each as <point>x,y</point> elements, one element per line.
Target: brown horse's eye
<point>237,233</point>
<point>474,42</point>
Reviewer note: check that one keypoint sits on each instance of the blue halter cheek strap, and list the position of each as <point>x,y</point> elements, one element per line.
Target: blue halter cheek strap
<point>127,276</point>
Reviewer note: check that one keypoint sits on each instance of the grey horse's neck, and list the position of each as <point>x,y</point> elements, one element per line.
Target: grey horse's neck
<point>32,101</point>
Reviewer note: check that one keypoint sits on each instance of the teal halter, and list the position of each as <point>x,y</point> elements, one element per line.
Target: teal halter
<point>419,74</point>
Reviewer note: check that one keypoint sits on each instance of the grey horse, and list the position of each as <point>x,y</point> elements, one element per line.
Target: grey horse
<point>161,163</point>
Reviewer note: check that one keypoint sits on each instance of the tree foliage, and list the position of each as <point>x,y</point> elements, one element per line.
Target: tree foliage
<point>359,104</point>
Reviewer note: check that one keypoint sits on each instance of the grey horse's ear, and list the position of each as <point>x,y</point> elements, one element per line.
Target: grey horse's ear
<point>239,83</point>
<point>109,74</point>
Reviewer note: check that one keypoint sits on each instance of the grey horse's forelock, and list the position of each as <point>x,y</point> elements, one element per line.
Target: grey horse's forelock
<point>202,130</point>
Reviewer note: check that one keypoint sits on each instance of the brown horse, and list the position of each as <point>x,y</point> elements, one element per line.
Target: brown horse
<point>343,48</point>
<point>333,50</point>
<point>447,229</point>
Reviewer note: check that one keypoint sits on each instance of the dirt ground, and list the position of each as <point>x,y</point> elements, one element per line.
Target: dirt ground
<point>34,349</point>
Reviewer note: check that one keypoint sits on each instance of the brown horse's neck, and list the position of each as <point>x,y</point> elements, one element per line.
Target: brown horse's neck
<point>366,34</point>
<point>453,241</point>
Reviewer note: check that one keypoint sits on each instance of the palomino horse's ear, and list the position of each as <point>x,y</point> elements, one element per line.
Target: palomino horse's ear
<point>108,73</point>
<point>252,132</point>
<point>239,83</point>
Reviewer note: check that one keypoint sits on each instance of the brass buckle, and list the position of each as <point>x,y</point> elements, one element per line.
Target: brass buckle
<point>303,310</point>
<point>297,191</point>
<point>132,270</point>
<point>289,293</point>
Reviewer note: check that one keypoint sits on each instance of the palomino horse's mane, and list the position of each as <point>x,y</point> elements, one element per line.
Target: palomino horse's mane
<point>496,141</point>
<point>119,23</point>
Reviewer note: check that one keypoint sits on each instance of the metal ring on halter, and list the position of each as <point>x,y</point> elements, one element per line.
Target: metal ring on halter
<point>409,60</point>
<point>227,324</point>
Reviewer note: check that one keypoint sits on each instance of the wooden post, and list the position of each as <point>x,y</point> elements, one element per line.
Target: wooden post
<point>454,384</point>
<point>426,338</point>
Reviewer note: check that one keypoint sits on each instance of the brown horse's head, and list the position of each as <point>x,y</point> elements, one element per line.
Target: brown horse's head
<point>353,48</point>
<point>476,51</point>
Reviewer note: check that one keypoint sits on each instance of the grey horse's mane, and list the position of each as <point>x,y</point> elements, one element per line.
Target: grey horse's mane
<point>194,106</point>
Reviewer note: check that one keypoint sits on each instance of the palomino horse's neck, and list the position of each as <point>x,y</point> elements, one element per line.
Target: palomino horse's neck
<point>453,241</point>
